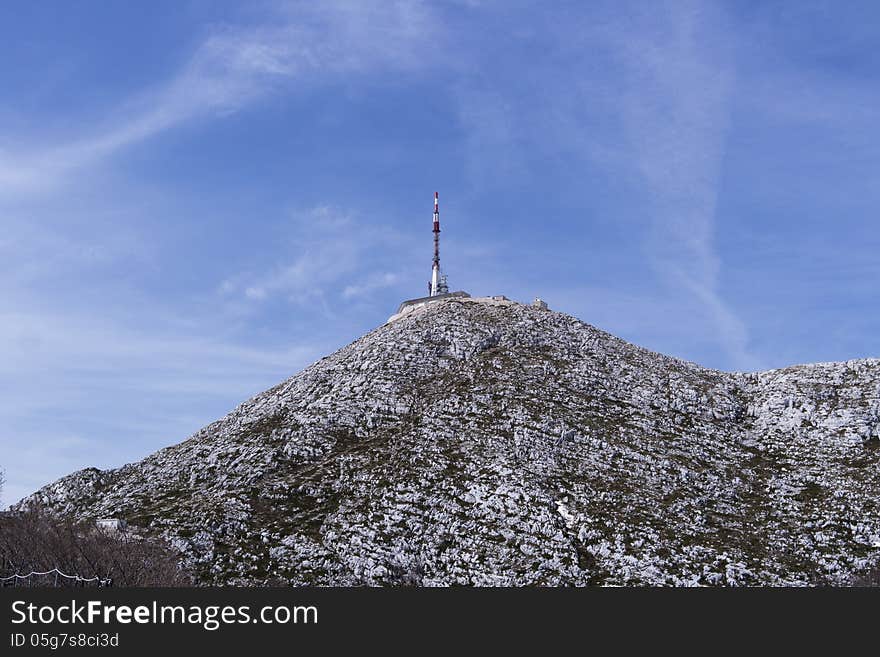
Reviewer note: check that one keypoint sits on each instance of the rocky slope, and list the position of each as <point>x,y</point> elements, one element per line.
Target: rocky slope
<point>491,443</point>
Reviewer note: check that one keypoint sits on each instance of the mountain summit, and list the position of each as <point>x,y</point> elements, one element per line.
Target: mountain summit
<point>484,442</point>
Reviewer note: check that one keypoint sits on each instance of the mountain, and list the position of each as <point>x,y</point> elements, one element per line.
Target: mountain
<point>485,442</point>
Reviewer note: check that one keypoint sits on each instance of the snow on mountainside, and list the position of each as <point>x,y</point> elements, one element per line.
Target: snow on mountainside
<point>500,444</point>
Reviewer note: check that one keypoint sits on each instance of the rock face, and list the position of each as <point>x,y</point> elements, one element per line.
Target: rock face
<point>491,443</point>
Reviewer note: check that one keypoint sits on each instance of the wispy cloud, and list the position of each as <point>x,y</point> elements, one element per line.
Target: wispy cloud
<point>681,71</point>
<point>370,284</point>
<point>232,68</point>
<point>333,255</point>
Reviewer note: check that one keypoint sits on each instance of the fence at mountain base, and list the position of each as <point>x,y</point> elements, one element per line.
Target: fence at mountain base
<point>53,579</point>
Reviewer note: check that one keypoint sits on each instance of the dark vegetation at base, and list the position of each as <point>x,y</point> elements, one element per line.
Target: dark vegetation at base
<point>871,578</point>
<point>38,542</point>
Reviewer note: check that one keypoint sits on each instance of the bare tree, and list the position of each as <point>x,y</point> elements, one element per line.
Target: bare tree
<point>34,541</point>
<point>869,578</point>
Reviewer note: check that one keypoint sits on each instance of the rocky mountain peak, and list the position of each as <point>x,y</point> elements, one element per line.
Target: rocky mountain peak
<point>485,442</point>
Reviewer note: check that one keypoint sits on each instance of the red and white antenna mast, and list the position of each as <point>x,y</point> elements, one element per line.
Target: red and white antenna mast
<point>437,284</point>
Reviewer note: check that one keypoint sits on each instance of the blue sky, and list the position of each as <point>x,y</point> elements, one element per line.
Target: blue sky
<point>198,199</point>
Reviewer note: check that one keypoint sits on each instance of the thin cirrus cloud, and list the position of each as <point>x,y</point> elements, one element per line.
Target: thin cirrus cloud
<point>677,111</point>
<point>329,249</point>
<point>371,284</point>
<point>235,67</point>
